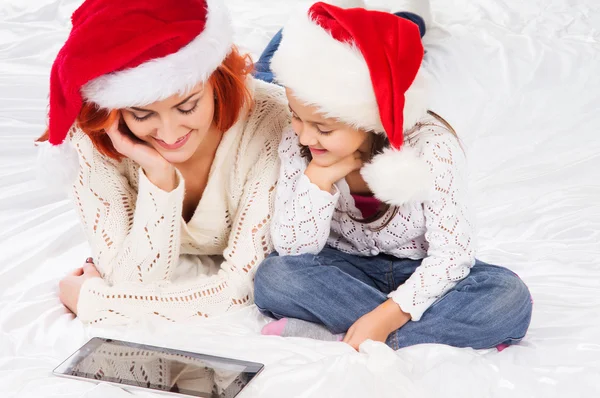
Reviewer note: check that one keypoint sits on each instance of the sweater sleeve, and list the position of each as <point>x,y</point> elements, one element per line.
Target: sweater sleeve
<point>203,295</point>
<point>449,230</point>
<point>303,211</point>
<point>134,235</point>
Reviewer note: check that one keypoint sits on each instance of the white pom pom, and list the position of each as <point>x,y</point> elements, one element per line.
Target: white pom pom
<point>57,165</point>
<point>398,177</point>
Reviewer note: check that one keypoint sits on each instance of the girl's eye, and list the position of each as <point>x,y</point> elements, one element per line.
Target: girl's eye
<point>141,118</point>
<point>324,132</point>
<point>190,110</point>
<point>295,117</point>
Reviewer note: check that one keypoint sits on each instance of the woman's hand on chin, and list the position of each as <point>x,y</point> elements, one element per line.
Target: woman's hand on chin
<point>160,172</point>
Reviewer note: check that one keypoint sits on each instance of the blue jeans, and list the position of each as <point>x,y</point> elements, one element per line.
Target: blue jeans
<point>491,306</point>
<point>262,68</point>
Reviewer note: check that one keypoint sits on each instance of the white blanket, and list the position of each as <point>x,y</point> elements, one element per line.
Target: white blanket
<point>519,81</point>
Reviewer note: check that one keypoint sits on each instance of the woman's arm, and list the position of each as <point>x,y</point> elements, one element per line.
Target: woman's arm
<point>231,288</point>
<point>134,235</point>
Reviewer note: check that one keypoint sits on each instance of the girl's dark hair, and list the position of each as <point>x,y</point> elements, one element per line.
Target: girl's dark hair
<point>381,142</point>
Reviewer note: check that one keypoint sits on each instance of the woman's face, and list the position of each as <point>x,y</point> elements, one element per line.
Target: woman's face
<point>176,126</point>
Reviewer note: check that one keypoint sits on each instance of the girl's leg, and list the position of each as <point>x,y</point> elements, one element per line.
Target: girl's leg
<point>491,306</point>
<point>421,9</point>
<point>332,288</point>
<point>416,19</point>
<point>262,68</point>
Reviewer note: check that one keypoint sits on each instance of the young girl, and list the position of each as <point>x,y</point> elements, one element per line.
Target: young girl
<point>372,232</point>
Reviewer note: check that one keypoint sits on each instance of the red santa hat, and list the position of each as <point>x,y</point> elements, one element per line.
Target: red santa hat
<point>364,68</point>
<point>132,53</point>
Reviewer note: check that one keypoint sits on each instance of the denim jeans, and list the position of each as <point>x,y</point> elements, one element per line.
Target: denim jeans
<point>491,306</point>
<point>262,68</point>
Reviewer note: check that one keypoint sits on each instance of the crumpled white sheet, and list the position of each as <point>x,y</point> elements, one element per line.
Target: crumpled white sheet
<point>520,83</point>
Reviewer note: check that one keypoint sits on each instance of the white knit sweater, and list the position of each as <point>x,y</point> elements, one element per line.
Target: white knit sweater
<point>439,230</point>
<point>153,264</point>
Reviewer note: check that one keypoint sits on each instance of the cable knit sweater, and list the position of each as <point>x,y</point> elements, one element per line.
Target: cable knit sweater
<point>439,230</point>
<point>154,264</point>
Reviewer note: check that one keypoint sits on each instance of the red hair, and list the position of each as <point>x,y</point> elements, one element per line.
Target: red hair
<point>229,87</point>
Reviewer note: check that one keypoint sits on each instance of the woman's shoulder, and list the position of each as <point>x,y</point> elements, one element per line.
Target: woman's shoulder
<point>90,157</point>
<point>269,96</point>
<point>77,137</point>
<point>83,144</point>
<point>269,114</point>
<point>266,121</point>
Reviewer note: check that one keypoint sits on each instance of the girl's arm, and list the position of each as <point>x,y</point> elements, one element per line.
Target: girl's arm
<point>450,232</point>
<point>134,235</point>
<point>303,212</point>
<point>249,243</point>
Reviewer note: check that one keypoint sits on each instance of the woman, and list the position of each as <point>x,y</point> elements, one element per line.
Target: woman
<point>177,149</point>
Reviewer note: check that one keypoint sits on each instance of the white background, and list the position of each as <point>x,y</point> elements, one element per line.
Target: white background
<point>519,80</point>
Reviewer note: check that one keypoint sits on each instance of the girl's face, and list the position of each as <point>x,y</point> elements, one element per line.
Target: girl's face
<point>328,139</point>
<point>176,126</point>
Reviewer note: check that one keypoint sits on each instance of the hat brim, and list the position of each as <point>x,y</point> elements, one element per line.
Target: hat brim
<point>175,73</point>
<point>334,77</point>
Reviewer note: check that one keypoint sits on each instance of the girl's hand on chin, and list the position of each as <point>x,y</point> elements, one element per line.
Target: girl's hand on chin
<point>325,177</point>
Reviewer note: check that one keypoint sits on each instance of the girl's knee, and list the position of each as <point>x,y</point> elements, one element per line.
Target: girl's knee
<point>279,279</point>
<point>515,290</point>
<point>512,302</point>
<point>269,273</point>
<point>273,278</point>
<point>503,310</point>
<point>504,286</point>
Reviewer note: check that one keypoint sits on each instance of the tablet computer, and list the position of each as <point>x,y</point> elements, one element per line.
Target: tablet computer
<point>159,369</point>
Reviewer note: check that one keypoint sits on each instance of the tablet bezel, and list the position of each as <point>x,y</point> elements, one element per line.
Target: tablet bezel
<point>76,357</point>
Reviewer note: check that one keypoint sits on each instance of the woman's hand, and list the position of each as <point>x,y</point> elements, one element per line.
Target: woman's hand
<point>70,286</point>
<point>377,324</point>
<point>160,172</point>
<point>325,177</point>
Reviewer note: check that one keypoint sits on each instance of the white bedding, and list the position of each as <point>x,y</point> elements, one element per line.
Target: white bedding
<point>520,82</point>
